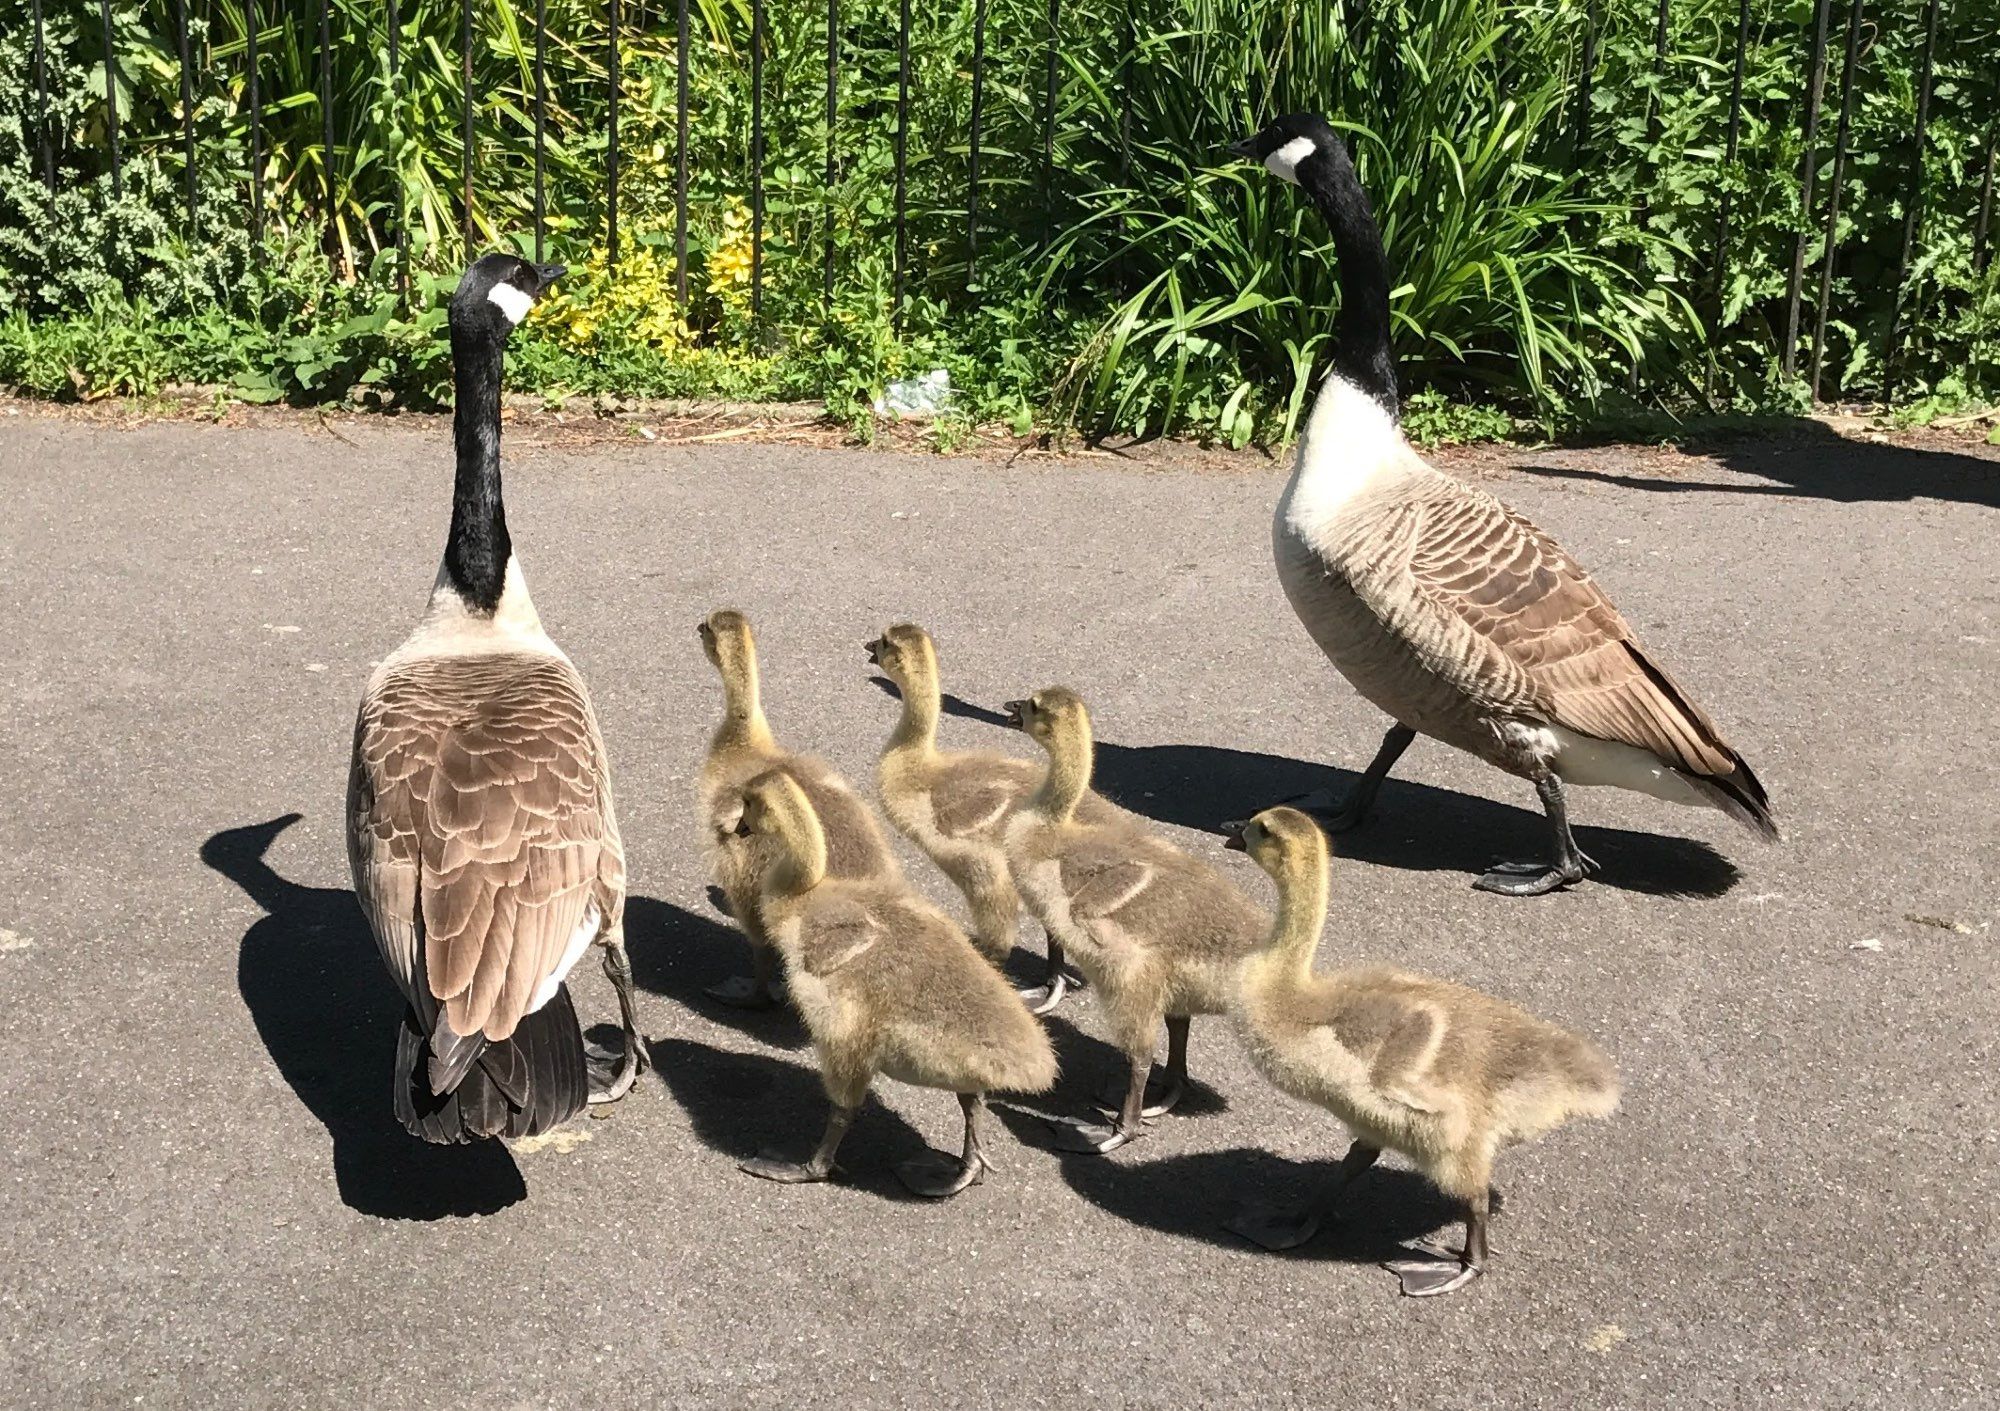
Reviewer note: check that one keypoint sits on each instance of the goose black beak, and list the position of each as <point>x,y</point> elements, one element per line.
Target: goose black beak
<point>1232,836</point>
<point>549,274</point>
<point>1243,147</point>
<point>1017,714</point>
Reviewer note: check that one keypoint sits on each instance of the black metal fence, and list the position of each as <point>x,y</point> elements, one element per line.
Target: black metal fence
<point>1813,258</point>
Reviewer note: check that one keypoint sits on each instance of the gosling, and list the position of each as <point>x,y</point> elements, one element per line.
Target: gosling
<point>741,749</point>
<point>1160,933</point>
<point>955,807</point>
<point>886,984</point>
<point>1441,1073</point>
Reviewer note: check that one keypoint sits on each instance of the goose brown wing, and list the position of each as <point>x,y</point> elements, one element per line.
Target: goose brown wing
<point>1537,635</point>
<point>489,809</point>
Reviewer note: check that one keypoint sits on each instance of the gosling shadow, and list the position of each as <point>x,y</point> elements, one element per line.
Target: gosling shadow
<point>679,953</point>
<point>328,1013</point>
<point>1193,1195</point>
<point>1414,827</point>
<point>741,1104</point>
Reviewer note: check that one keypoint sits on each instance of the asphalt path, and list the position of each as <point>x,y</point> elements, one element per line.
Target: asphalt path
<point>204,1199</point>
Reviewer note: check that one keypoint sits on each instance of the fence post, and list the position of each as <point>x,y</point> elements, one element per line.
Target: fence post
<point>256,136</point>
<point>902,158</point>
<point>611,146</point>
<point>1913,205</point>
<point>832,153</point>
<point>396,157</point>
<point>466,104</point>
<point>1808,175</point>
<point>1979,246</point>
<point>1728,169</point>
<point>1586,75</point>
<point>1049,112</point>
<point>681,165</point>
<point>1833,189</point>
<point>756,159</point>
<point>541,122</point>
<point>111,101</point>
<point>972,150</point>
<point>45,149</point>
<point>325,126</point>
<point>187,105</point>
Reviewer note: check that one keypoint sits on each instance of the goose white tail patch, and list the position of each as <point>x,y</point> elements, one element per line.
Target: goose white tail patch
<point>579,941</point>
<point>1284,162</point>
<point>511,302</point>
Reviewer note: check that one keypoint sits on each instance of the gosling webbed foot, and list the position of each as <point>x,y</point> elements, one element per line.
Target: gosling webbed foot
<point>611,1074</point>
<point>767,1166</point>
<point>1090,1138</point>
<point>1060,980</point>
<point>1429,1277</point>
<point>940,1177</point>
<point>745,992</point>
<point>1276,1228</point>
<point>1164,1092</point>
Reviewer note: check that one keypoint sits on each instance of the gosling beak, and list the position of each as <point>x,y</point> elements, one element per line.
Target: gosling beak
<point>1017,714</point>
<point>742,828</point>
<point>1232,836</point>
<point>1243,147</point>
<point>874,650</point>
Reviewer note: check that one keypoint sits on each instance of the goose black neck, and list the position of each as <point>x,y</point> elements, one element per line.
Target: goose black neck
<point>1361,351</point>
<point>475,556</point>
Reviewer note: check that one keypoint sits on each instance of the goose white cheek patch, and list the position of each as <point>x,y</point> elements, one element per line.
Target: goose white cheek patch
<point>1284,163</point>
<point>511,302</point>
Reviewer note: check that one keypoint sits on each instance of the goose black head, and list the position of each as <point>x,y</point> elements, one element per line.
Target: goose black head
<point>495,293</point>
<point>1287,142</point>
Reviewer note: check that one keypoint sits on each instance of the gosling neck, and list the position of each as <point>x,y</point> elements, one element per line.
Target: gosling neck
<point>1068,775</point>
<point>743,724</point>
<point>916,731</point>
<point>1302,894</point>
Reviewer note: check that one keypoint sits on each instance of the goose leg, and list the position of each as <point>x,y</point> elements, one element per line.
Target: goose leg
<point>1361,799</point>
<point>816,1167</point>
<point>1279,1228</point>
<point>1058,980</point>
<point>940,1177</point>
<point>636,1058</point>
<point>1162,1097</point>
<point>1097,1138</point>
<point>1427,1278</point>
<point>1533,879</point>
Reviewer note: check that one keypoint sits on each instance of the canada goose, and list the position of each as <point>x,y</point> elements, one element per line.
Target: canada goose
<point>1452,613</point>
<point>1441,1073</point>
<point>955,806</point>
<point>481,833</point>
<point>741,749</point>
<point>886,983</point>
<point>1159,932</point>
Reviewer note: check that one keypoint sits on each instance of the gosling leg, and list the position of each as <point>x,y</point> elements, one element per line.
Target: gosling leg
<point>1427,1278</point>
<point>1162,1097</point>
<point>1057,980</point>
<point>760,989</point>
<point>1568,864</point>
<point>1278,1228</point>
<point>1097,1138</point>
<point>939,1177</point>
<point>816,1167</point>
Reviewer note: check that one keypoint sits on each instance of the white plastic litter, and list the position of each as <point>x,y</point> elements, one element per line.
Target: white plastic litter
<point>929,395</point>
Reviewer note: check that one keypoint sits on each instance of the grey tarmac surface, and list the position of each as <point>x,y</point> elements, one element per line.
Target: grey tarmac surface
<point>204,1200</point>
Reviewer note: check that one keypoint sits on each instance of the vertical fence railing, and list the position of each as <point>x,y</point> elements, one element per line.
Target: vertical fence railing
<point>902,160</point>
<point>1586,76</point>
<point>44,148</point>
<point>111,102</point>
<point>1815,85</point>
<point>541,128</point>
<point>1980,248</point>
<point>187,108</point>
<point>251,23</point>
<point>1841,134</point>
<point>1049,109</point>
<point>757,158</point>
<point>832,148</point>
<point>402,246</point>
<point>681,159</point>
<point>611,139</point>
<point>332,237</point>
<point>1913,201</point>
<point>973,135</point>
<point>467,104</point>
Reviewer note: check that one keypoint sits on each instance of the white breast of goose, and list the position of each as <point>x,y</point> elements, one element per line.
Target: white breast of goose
<point>449,628</point>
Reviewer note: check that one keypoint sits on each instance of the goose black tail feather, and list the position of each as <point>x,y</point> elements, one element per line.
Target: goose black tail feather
<point>520,1087</point>
<point>1742,797</point>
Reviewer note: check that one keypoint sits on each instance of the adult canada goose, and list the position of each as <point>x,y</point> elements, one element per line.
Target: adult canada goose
<point>886,983</point>
<point>742,748</point>
<point>481,834</point>
<point>1158,932</point>
<point>1441,1073</point>
<point>955,806</point>
<point>1455,615</point>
